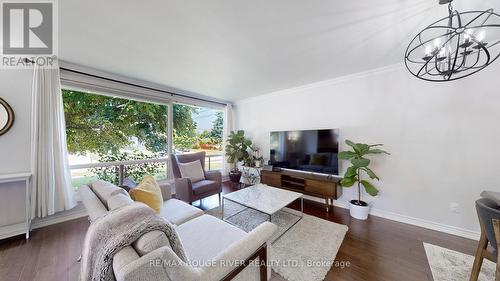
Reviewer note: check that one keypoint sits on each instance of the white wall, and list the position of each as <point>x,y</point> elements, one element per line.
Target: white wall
<point>444,137</point>
<point>15,145</point>
<point>15,148</point>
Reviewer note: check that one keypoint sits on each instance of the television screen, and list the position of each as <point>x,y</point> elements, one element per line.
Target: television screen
<point>309,150</point>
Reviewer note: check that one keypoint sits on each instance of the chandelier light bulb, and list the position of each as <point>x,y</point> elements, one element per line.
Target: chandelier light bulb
<point>481,35</point>
<point>442,53</point>
<point>437,43</point>
<point>467,37</point>
<point>428,50</point>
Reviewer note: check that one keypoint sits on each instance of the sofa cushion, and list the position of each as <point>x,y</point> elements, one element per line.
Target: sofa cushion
<point>204,186</point>
<point>119,200</point>
<point>149,193</point>
<point>95,208</point>
<point>124,257</point>
<point>150,241</point>
<point>166,189</point>
<point>192,170</point>
<point>179,212</point>
<point>201,237</point>
<point>104,190</point>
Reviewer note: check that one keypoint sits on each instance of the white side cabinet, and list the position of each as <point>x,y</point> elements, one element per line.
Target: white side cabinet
<point>15,205</point>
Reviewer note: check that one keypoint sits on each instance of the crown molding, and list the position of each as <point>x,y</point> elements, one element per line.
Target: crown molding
<point>323,83</point>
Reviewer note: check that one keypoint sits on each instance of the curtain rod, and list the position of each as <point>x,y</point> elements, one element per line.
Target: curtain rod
<point>141,86</point>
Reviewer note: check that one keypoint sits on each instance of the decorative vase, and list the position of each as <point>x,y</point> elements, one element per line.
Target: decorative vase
<point>257,163</point>
<point>359,210</point>
<point>235,176</point>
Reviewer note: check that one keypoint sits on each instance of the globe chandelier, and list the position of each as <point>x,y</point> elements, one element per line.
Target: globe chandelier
<point>456,46</point>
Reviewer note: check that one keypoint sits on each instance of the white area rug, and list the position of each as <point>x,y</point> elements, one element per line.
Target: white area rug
<point>449,265</point>
<point>305,252</point>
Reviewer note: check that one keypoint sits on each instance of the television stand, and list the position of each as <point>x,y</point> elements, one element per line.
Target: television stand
<point>307,183</point>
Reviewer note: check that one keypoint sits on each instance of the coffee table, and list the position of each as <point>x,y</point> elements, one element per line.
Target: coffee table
<point>264,199</point>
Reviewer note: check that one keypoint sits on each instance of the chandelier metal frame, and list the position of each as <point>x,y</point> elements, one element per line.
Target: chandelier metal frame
<point>459,51</point>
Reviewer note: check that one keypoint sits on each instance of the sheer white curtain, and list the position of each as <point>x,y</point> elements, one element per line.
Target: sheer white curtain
<point>52,191</point>
<point>228,127</point>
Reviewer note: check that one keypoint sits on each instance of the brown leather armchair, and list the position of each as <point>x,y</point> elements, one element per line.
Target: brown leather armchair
<point>188,191</point>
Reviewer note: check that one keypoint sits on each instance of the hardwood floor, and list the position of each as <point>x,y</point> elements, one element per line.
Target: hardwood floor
<point>377,249</point>
<point>51,253</point>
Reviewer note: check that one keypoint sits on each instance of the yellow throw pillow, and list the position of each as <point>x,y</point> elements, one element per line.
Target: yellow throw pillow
<point>149,193</point>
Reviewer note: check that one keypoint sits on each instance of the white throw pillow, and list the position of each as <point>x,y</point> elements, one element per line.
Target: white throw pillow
<point>104,190</point>
<point>192,170</point>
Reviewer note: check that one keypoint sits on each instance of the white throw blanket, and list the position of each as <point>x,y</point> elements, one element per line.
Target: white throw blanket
<point>116,230</point>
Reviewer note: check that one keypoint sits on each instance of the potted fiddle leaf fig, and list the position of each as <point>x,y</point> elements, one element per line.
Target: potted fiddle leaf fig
<point>237,150</point>
<point>354,175</point>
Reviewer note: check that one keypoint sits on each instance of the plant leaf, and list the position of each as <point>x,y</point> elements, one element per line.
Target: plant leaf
<point>359,148</point>
<point>346,155</point>
<point>370,173</point>
<point>377,151</point>
<point>370,189</point>
<point>363,148</point>
<point>350,143</point>
<point>360,162</point>
<point>351,172</point>
<point>348,182</point>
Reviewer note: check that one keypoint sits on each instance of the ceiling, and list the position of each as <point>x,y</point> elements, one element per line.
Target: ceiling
<point>234,49</point>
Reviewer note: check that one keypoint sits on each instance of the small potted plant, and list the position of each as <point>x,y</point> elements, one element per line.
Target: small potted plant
<point>257,159</point>
<point>237,150</point>
<point>359,166</point>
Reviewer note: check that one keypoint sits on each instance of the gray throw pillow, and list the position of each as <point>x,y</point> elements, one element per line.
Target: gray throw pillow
<point>119,200</point>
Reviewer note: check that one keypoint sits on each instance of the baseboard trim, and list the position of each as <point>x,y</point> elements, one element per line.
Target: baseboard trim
<point>12,230</point>
<point>59,218</point>
<point>418,222</point>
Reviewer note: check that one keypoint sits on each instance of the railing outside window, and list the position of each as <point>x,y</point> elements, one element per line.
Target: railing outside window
<point>212,162</point>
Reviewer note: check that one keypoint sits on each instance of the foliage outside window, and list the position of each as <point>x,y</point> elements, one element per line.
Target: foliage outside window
<point>108,129</point>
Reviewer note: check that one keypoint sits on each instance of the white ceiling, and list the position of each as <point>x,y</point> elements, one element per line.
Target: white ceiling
<point>233,49</point>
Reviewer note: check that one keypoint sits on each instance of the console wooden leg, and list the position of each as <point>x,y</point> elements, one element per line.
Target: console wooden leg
<point>327,205</point>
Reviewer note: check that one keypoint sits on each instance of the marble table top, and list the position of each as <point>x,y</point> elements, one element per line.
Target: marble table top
<point>493,195</point>
<point>264,198</point>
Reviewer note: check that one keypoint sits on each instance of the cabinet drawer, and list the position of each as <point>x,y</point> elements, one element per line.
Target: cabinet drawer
<point>321,188</point>
<point>271,179</point>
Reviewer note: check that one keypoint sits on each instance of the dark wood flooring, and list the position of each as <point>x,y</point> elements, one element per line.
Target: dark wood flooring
<point>377,249</point>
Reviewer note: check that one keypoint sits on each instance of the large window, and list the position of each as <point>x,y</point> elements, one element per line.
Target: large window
<point>199,129</point>
<point>114,138</point>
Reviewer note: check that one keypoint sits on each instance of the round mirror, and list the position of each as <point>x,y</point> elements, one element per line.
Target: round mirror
<point>6,117</point>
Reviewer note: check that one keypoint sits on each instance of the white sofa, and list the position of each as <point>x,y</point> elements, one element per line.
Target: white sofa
<point>215,249</point>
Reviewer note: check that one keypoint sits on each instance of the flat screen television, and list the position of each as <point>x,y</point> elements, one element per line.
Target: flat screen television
<point>307,150</point>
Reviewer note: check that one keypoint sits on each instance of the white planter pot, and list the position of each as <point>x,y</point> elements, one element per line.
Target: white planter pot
<point>359,212</point>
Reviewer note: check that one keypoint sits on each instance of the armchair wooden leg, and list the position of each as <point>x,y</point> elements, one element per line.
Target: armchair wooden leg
<point>478,260</point>
<point>496,226</point>
<point>219,198</point>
